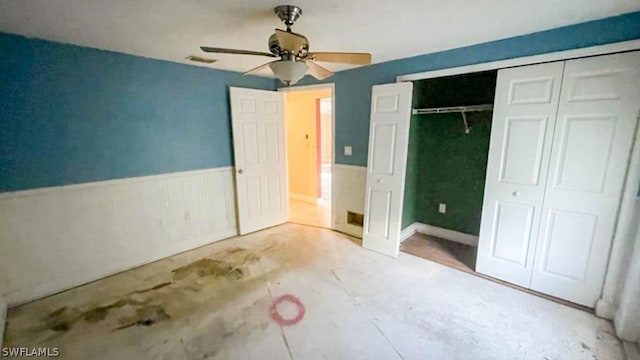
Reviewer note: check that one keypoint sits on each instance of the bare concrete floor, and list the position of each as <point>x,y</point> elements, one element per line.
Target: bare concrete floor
<point>304,293</point>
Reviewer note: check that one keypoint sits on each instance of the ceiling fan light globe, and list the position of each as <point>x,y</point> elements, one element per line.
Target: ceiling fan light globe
<point>289,72</point>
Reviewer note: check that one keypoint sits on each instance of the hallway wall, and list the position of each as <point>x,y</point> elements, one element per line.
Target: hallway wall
<point>302,142</point>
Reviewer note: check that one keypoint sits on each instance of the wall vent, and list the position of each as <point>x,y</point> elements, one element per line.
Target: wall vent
<point>354,218</point>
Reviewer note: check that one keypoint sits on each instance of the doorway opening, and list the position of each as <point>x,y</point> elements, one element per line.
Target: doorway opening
<point>309,129</point>
<point>447,161</point>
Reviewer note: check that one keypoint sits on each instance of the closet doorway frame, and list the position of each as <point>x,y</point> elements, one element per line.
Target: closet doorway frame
<point>605,306</point>
<point>332,87</point>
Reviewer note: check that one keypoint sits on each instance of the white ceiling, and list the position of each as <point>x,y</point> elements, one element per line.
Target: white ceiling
<point>174,29</point>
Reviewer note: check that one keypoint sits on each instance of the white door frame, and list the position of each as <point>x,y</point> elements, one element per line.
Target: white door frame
<point>325,86</point>
<point>623,46</point>
<point>606,306</point>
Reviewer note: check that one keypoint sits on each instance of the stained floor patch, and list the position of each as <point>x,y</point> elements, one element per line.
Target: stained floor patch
<point>145,316</point>
<point>63,319</point>
<point>208,267</point>
<point>147,304</point>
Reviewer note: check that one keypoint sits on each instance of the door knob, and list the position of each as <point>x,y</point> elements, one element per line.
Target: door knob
<point>379,181</point>
<point>240,171</point>
<point>516,193</point>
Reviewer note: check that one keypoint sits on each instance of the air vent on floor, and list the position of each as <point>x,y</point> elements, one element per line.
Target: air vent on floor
<point>355,218</point>
<point>200,59</point>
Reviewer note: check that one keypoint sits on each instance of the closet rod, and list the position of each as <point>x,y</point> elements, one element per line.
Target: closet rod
<point>453,109</point>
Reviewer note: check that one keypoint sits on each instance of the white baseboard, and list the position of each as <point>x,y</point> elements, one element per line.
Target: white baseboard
<point>408,231</point>
<point>308,199</point>
<point>631,350</point>
<point>442,233</point>
<point>605,309</point>
<point>353,230</point>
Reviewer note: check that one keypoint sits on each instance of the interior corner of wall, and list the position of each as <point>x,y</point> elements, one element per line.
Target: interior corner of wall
<point>605,309</point>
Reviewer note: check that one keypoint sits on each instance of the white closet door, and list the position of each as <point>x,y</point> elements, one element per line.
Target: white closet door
<point>523,120</point>
<point>257,118</point>
<point>388,146</point>
<point>599,105</point>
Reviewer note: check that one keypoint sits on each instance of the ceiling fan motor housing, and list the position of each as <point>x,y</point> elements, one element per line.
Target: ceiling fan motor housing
<point>276,48</point>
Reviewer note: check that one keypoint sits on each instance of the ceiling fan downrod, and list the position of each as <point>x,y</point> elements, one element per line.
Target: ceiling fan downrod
<point>288,14</point>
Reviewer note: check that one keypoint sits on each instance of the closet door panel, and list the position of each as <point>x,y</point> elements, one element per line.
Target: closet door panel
<point>386,168</point>
<point>521,156</point>
<point>599,105</point>
<point>523,121</point>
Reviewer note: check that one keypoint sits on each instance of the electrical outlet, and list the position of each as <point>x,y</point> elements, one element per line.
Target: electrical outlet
<point>442,208</point>
<point>348,150</point>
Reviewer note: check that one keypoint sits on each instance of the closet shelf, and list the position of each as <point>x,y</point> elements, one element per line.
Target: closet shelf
<point>453,109</point>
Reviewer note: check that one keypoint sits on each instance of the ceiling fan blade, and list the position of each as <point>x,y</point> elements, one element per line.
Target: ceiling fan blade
<point>235,51</point>
<point>291,41</point>
<point>318,71</point>
<point>258,68</point>
<point>342,57</point>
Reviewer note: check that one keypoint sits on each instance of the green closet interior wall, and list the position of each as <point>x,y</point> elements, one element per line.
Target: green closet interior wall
<point>445,165</point>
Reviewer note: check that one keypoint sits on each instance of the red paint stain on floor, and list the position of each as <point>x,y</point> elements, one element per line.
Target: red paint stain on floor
<point>278,318</point>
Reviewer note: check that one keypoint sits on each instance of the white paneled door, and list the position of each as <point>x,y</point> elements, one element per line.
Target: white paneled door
<point>597,113</point>
<point>388,144</point>
<point>257,118</point>
<point>523,119</point>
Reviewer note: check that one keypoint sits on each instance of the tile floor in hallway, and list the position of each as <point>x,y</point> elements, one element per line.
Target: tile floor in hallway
<point>305,213</point>
<point>301,212</point>
<point>333,300</point>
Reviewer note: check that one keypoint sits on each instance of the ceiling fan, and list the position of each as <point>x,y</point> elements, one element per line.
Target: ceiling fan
<point>295,59</point>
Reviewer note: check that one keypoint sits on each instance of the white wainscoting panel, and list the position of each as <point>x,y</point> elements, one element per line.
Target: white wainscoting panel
<point>55,238</point>
<point>348,195</point>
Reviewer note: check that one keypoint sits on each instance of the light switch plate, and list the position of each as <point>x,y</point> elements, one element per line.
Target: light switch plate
<point>348,151</point>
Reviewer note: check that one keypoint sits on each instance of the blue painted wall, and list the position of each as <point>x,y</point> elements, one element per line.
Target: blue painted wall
<point>70,114</point>
<point>353,87</point>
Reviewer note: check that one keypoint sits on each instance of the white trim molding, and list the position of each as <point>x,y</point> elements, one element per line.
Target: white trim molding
<point>106,183</point>
<point>305,198</point>
<point>527,60</point>
<point>3,318</point>
<point>436,231</point>
<point>57,238</point>
<point>623,238</point>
